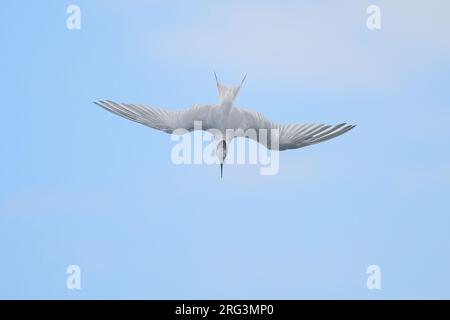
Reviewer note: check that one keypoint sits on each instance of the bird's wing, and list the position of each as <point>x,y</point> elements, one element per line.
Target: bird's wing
<point>160,119</point>
<point>288,136</point>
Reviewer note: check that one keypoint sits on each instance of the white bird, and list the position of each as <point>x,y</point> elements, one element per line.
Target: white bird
<point>224,117</point>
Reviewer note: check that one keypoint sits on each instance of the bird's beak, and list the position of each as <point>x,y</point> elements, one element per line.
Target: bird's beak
<point>221,170</point>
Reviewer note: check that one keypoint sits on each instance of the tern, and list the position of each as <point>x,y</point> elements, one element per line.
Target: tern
<point>225,117</point>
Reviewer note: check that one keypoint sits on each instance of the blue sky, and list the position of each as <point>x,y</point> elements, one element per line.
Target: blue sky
<point>82,186</point>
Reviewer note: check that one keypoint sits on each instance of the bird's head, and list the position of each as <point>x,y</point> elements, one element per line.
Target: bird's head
<point>221,153</point>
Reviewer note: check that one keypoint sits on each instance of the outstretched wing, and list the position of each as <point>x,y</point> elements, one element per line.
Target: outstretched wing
<point>286,136</point>
<point>160,119</point>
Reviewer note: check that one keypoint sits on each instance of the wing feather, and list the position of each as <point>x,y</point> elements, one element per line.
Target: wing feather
<point>157,118</point>
<point>289,136</point>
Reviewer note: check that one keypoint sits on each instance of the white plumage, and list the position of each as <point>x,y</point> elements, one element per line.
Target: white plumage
<point>225,115</point>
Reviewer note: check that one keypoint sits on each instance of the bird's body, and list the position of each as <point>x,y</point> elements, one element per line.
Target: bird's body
<point>226,121</point>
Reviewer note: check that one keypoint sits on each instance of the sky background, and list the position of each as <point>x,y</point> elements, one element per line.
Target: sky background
<point>81,186</point>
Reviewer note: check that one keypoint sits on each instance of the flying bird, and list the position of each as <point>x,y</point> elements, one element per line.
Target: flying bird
<point>225,117</point>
